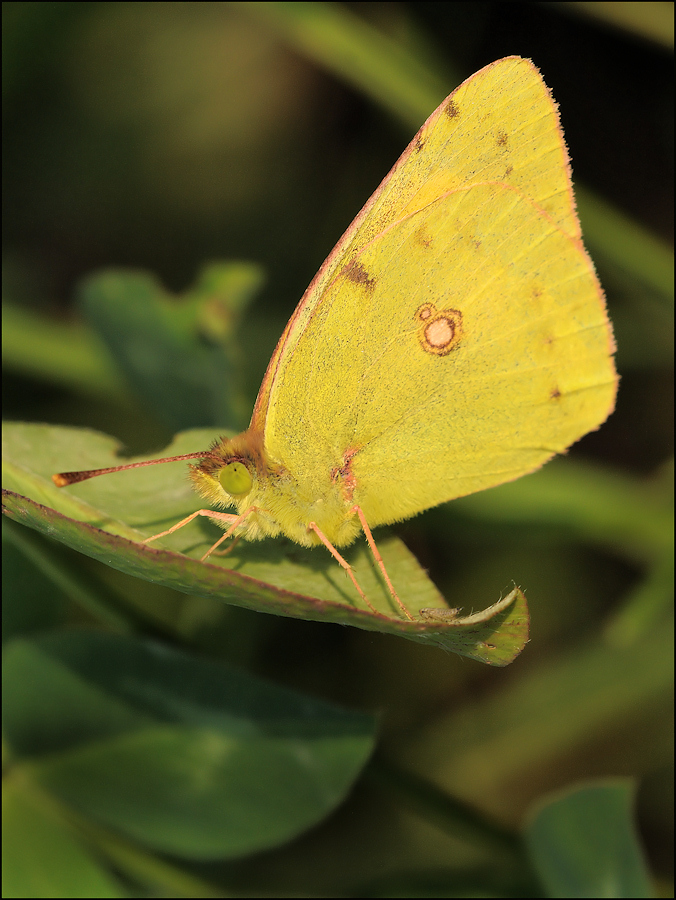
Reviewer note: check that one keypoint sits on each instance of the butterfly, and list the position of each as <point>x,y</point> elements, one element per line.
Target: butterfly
<point>456,338</point>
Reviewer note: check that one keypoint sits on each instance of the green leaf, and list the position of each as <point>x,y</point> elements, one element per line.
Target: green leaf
<point>583,843</point>
<point>70,356</point>
<point>31,600</point>
<point>179,354</point>
<point>189,757</point>
<point>204,795</point>
<point>627,243</point>
<point>594,503</point>
<point>107,518</point>
<point>564,709</point>
<point>109,685</point>
<point>41,857</point>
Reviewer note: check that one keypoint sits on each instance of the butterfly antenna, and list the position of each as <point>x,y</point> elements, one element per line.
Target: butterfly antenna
<point>63,479</point>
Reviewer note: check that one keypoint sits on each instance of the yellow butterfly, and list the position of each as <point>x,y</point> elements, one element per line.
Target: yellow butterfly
<point>456,338</point>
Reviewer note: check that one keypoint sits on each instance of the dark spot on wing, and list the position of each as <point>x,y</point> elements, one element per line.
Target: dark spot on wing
<point>356,273</point>
<point>452,110</point>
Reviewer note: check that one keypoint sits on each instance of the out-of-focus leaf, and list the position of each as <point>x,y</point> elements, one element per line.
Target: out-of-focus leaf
<point>70,356</point>
<point>593,503</point>
<point>653,20</point>
<point>526,726</point>
<point>342,42</point>
<point>179,354</point>
<point>190,757</point>
<point>627,243</point>
<point>41,857</point>
<point>584,843</point>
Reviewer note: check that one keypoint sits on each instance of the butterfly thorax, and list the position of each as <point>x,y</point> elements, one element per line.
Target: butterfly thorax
<point>238,473</point>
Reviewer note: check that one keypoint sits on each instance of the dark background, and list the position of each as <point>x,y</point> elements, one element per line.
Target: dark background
<point>163,135</point>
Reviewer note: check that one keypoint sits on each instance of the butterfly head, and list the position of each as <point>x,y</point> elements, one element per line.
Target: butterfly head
<point>233,471</point>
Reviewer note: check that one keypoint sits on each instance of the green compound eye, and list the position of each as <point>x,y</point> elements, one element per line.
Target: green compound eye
<point>235,479</point>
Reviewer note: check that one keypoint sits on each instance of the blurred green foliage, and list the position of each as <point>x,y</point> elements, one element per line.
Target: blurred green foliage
<point>163,137</point>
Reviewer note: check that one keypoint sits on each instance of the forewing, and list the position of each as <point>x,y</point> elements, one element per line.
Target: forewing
<point>457,336</point>
<point>501,125</point>
<point>464,346</point>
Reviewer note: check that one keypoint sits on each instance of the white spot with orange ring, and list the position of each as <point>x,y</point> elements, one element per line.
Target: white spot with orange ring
<point>441,331</point>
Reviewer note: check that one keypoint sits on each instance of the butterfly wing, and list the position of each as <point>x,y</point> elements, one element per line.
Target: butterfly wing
<point>457,336</point>
<point>501,125</point>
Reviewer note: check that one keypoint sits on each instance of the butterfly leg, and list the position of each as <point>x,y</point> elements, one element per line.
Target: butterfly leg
<point>235,520</point>
<point>344,563</point>
<point>230,518</point>
<point>381,565</point>
<point>233,543</point>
